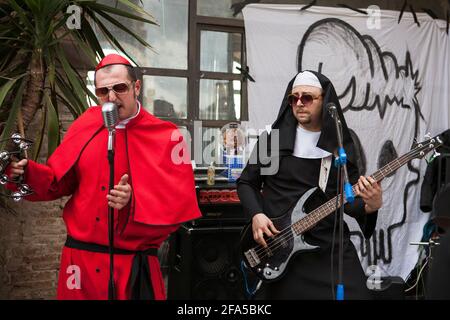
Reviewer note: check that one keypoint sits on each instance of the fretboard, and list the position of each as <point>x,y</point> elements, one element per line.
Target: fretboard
<point>330,206</point>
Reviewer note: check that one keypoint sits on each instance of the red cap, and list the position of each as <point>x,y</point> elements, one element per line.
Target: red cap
<point>111,59</point>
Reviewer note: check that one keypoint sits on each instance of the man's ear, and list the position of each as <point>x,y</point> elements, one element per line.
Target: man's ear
<point>137,87</point>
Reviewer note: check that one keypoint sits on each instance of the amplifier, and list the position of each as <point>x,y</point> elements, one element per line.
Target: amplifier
<point>218,196</point>
<point>220,206</point>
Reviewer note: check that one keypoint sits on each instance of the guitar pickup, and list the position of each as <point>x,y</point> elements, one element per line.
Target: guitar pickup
<point>252,258</point>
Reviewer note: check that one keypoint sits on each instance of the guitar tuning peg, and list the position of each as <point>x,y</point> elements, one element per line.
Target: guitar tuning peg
<point>436,154</point>
<point>427,136</point>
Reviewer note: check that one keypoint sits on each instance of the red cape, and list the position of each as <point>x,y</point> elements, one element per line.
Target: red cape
<point>163,190</point>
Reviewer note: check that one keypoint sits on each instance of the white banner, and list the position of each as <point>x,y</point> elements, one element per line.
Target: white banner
<point>392,80</point>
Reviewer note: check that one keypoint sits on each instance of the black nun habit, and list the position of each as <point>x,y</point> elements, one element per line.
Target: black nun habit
<point>309,275</point>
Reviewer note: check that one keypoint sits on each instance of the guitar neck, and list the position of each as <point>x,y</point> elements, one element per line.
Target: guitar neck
<point>330,206</point>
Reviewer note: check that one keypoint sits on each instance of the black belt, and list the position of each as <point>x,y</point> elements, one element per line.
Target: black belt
<point>141,286</point>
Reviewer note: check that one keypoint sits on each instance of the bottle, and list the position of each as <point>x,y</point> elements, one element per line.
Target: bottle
<point>211,174</point>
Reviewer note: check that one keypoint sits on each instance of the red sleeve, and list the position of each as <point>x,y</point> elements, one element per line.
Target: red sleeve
<point>42,181</point>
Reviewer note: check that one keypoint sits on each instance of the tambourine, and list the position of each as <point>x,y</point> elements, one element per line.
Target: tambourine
<point>21,145</point>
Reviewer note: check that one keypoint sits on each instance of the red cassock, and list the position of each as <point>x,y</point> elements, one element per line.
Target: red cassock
<point>152,152</point>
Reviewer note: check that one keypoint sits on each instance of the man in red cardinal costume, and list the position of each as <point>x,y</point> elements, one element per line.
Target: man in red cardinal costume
<point>154,192</point>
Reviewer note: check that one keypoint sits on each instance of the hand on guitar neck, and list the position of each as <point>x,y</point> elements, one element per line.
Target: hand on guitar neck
<point>370,191</point>
<point>262,225</point>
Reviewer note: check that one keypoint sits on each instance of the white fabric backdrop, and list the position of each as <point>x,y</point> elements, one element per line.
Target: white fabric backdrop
<point>398,81</point>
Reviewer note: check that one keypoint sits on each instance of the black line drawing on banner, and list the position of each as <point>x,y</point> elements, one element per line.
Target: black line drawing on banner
<point>374,82</point>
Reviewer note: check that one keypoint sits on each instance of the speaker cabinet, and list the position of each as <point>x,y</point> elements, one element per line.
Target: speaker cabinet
<point>205,264</point>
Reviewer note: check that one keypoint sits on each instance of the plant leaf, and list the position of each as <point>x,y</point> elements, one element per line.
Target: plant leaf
<point>10,123</point>
<point>68,105</point>
<point>53,125</point>
<point>137,9</point>
<point>110,37</point>
<point>99,8</point>
<point>21,14</point>
<point>37,145</point>
<point>74,103</point>
<point>5,89</point>
<point>122,27</point>
<point>77,86</point>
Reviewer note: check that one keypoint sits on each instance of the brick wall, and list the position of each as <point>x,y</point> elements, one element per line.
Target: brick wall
<point>31,240</point>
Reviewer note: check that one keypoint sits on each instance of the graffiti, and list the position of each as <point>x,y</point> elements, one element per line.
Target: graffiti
<point>371,83</point>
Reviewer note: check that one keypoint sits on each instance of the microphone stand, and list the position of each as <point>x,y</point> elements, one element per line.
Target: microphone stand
<point>111,286</point>
<point>345,186</point>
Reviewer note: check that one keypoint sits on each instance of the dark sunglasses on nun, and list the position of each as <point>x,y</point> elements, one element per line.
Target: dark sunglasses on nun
<point>306,99</point>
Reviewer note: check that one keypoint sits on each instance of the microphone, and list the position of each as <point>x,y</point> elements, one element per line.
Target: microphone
<point>331,108</point>
<point>110,115</point>
<point>342,156</point>
<point>110,118</point>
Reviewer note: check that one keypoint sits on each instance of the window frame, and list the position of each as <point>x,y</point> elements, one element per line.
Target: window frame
<point>196,24</point>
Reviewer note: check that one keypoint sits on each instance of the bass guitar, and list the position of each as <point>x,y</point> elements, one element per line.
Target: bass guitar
<point>269,263</point>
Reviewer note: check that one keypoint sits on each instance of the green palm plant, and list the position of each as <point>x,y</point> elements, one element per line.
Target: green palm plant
<point>35,69</point>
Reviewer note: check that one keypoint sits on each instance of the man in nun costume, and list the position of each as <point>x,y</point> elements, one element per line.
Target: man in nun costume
<point>306,152</point>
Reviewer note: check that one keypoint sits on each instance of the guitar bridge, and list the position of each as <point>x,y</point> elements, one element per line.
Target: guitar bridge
<point>252,258</point>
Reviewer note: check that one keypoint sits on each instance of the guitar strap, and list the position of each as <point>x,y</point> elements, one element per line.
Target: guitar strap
<point>325,166</point>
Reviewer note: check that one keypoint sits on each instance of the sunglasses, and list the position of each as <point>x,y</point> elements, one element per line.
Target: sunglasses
<point>118,88</point>
<point>306,99</point>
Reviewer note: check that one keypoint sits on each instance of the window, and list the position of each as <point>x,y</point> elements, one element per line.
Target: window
<point>192,76</point>
<point>165,97</point>
<point>214,8</point>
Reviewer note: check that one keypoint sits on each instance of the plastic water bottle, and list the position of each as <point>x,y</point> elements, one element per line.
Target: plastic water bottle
<point>211,179</point>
